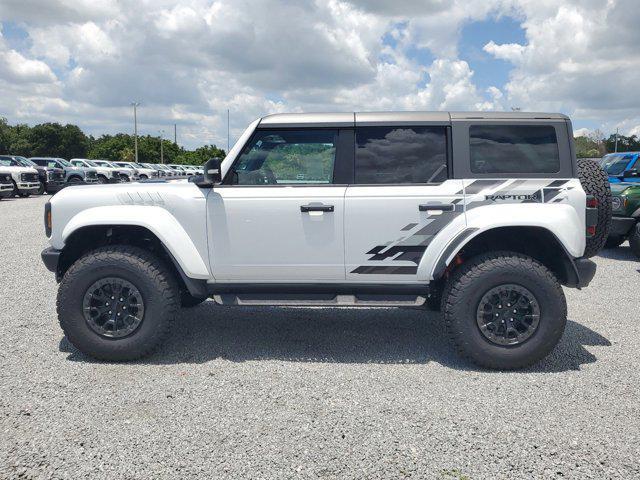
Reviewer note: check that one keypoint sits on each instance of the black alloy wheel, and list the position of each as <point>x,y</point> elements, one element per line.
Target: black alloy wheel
<point>508,315</point>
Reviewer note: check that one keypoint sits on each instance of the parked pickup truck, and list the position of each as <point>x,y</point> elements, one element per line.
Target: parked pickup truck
<point>483,215</point>
<point>24,179</point>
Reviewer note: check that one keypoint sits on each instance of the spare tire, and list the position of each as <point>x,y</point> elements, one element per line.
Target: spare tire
<point>595,182</point>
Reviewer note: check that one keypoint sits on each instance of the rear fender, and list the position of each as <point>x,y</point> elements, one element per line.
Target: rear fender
<point>562,220</point>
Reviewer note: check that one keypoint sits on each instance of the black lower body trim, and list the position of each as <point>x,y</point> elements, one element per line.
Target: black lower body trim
<point>585,271</point>
<point>441,264</point>
<point>50,258</point>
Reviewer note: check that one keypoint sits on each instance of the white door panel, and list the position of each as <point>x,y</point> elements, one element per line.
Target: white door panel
<point>261,234</point>
<point>387,231</point>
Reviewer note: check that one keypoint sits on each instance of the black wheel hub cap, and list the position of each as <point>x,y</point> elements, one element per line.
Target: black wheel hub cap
<point>113,307</point>
<point>508,315</point>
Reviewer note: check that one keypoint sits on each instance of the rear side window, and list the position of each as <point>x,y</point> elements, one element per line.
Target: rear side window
<point>289,157</point>
<point>400,155</point>
<point>514,149</point>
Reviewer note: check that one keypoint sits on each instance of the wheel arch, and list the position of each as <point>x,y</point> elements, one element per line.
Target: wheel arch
<point>537,242</point>
<point>90,237</point>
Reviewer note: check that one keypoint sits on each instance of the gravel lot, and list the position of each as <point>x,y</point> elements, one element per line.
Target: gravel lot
<point>286,393</point>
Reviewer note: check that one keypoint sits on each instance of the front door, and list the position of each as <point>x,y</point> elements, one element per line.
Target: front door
<point>279,216</point>
<point>399,201</point>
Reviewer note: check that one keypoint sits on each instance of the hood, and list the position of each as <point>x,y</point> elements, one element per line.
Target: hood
<point>620,187</point>
<point>19,170</point>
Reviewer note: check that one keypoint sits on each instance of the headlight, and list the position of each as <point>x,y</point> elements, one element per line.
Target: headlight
<point>616,203</point>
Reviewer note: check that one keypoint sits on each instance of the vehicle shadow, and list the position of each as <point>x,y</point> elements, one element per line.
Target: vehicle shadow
<point>397,336</point>
<point>620,253</point>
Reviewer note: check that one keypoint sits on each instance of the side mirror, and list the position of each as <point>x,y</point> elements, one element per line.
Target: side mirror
<point>212,174</point>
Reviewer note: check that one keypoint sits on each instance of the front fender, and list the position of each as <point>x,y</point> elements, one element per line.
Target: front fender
<point>156,219</point>
<point>560,219</point>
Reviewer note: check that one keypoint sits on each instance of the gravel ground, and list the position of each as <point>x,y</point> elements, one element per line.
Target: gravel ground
<point>307,393</point>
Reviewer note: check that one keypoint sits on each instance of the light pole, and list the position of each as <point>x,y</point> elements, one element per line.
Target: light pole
<point>161,149</point>
<point>135,128</point>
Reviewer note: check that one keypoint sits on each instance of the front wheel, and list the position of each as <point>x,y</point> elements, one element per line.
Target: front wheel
<point>42,188</point>
<point>102,179</point>
<point>504,310</point>
<point>117,303</point>
<point>614,241</point>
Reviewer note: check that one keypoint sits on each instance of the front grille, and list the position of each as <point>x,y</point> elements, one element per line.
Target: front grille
<point>56,176</point>
<point>91,175</point>
<point>5,178</point>
<point>29,177</point>
<point>115,174</point>
<point>154,174</point>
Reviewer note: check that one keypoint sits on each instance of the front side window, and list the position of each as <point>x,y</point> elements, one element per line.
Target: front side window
<point>400,155</point>
<point>518,149</point>
<point>287,157</point>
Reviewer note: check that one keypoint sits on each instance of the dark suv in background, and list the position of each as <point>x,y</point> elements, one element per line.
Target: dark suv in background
<point>72,175</point>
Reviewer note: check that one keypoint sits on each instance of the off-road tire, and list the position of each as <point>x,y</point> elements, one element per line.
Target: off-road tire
<point>595,182</point>
<point>465,289</point>
<point>188,301</point>
<point>75,180</point>
<point>614,241</point>
<point>634,240</point>
<point>102,179</point>
<point>158,288</point>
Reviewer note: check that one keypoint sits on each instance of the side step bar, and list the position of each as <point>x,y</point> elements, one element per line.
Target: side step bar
<point>320,300</point>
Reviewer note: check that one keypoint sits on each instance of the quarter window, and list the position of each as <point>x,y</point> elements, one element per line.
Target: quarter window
<point>400,155</point>
<point>518,149</point>
<point>287,157</point>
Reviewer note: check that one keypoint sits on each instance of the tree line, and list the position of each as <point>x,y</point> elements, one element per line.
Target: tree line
<point>69,141</point>
<point>596,145</point>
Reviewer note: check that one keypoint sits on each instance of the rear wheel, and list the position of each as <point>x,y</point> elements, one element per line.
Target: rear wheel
<point>595,182</point>
<point>117,303</point>
<point>504,310</point>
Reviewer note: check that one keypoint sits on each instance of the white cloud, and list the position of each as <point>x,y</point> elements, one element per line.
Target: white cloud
<point>188,61</point>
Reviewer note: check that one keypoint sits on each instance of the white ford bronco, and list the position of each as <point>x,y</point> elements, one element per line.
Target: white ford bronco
<point>484,216</point>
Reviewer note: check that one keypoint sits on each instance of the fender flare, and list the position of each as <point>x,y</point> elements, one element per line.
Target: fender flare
<point>157,220</point>
<point>559,220</point>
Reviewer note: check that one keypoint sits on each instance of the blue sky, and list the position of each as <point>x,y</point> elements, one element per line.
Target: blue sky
<point>189,61</point>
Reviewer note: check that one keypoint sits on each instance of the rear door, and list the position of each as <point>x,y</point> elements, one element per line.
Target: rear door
<point>400,199</point>
<point>279,215</point>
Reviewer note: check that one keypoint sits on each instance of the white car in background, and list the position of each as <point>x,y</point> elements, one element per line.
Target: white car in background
<point>126,174</point>
<point>181,170</point>
<point>161,171</point>
<point>144,173</point>
<point>25,180</point>
<point>106,173</point>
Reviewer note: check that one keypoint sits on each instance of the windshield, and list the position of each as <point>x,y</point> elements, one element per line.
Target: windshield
<point>92,163</point>
<point>137,165</point>
<point>26,162</point>
<point>9,162</point>
<point>63,162</point>
<point>615,164</point>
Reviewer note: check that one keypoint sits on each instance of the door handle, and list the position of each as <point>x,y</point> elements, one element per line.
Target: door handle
<point>440,207</point>
<point>316,208</point>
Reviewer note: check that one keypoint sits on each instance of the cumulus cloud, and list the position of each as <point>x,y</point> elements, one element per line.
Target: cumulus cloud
<point>189,61</point>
